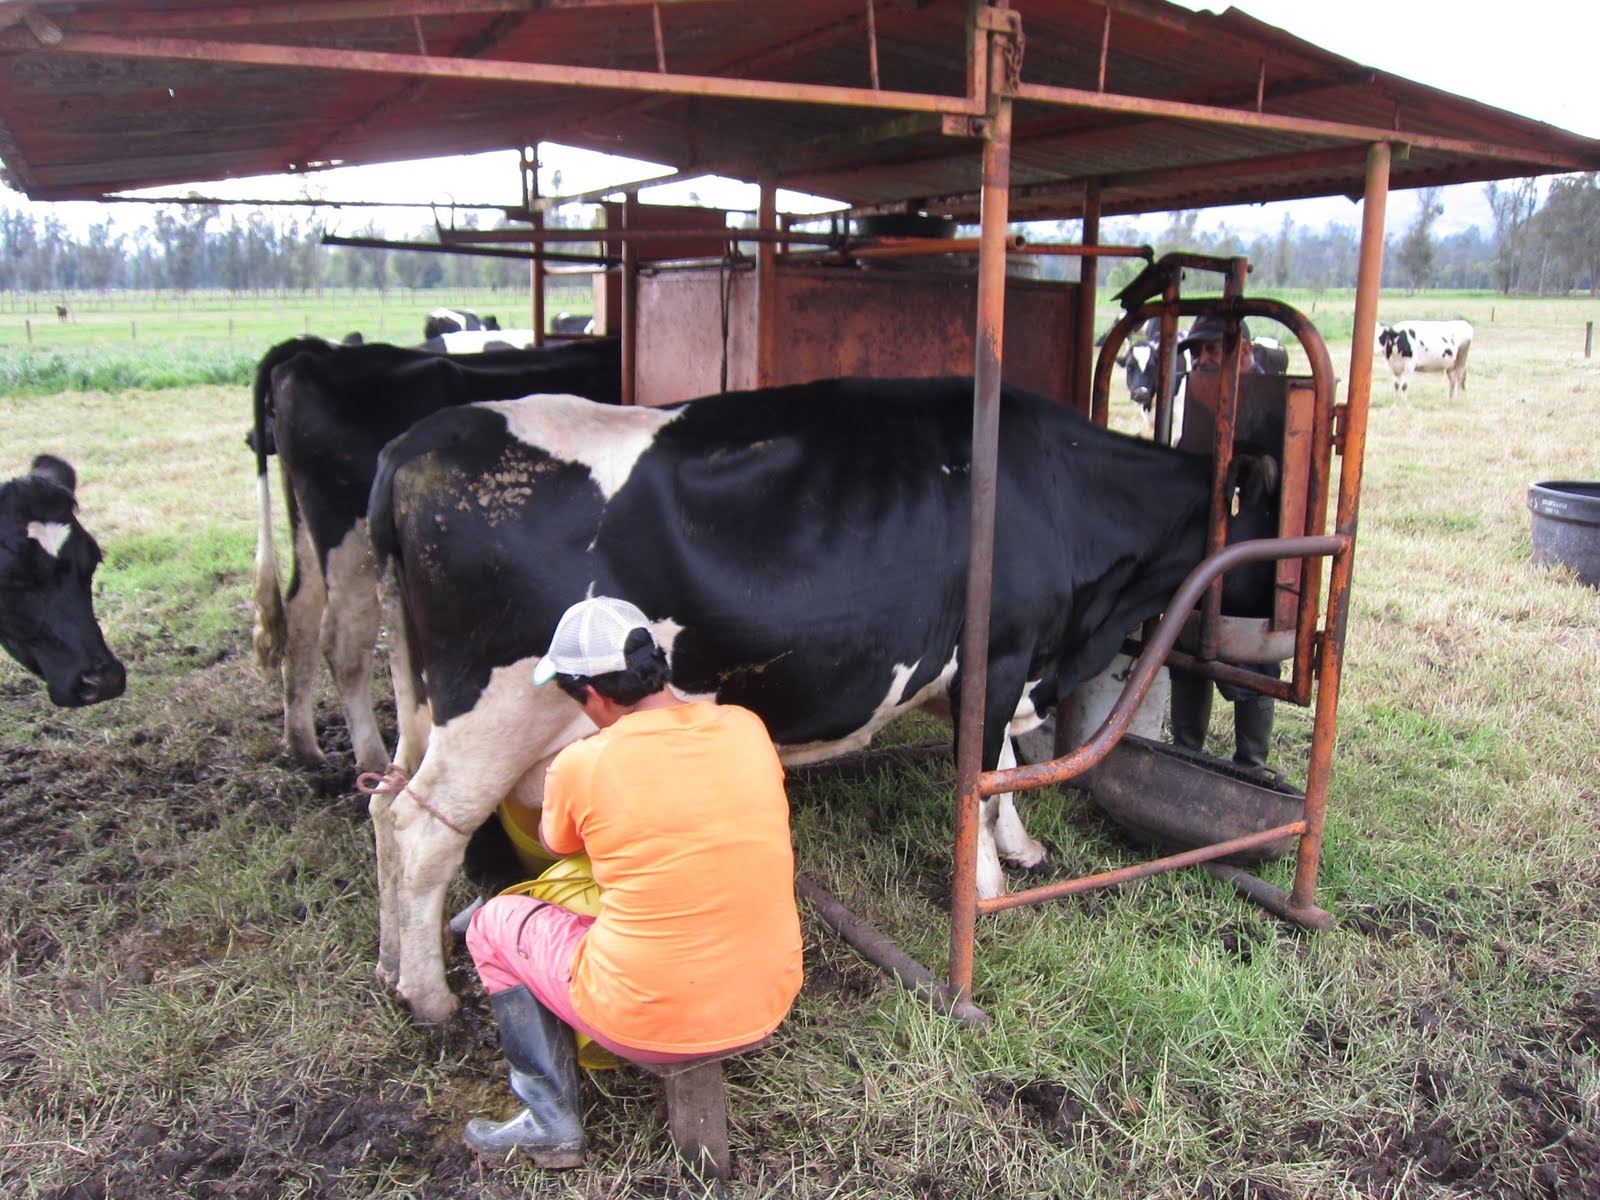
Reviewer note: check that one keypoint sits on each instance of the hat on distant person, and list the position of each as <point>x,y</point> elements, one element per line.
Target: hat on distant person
<point>1210,328</point>
<point>591,639</point>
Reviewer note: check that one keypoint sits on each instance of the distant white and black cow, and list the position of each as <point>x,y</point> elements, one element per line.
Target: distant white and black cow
<point>572,323</point>
<point>455,320</point>
<point>47,565</point>
<point>476,341</point>
<point>328,410</point>
<point>800,550</point>
<point>1413,346</point>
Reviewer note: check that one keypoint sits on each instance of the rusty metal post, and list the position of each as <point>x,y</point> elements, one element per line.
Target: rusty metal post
<point>1082,366</point>
<point>630,303</point>
<point>767,280</point>
<point>530,197</point>
<point>1324,723</point>
<point>974,665</point>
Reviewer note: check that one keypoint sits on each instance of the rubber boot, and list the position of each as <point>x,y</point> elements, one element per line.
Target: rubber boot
<point>1252,736</point>
<point>1191,710</point>
<point>543,1058</point>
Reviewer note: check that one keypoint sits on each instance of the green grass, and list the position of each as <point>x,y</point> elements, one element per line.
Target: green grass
<point>188,924</point>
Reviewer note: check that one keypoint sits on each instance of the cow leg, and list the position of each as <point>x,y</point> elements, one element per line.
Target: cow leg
<point>349,639</point>
<point>303,616</point>
<point>1012,840</point>
<point>412,713</point>
<point>473,762</point>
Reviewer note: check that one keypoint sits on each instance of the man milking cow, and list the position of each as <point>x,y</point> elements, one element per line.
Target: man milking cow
<point>681,809</point>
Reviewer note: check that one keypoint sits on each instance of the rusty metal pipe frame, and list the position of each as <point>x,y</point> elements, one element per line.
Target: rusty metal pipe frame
<point>1318,485</point>
<point>989,346</point>
<point>592,260</point>
<point>1151,658</point>
<point>1324,727</point>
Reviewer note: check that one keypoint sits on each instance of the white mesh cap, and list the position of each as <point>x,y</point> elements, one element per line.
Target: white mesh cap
<point>590,639</point>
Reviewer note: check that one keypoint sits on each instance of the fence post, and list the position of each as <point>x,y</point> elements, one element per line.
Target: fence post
<point>1588,337</point>
<point>29,324</point>
<point>133,330</point>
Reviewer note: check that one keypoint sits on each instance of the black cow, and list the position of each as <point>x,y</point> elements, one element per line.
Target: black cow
<point>454,320</point>
<point>329,410</point>
<point>47,565</point>
<point>800,550</point>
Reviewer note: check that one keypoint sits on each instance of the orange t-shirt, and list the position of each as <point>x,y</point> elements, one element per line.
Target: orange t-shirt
<point>683,814</point>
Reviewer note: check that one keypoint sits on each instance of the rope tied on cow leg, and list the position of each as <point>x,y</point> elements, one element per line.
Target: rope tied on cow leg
<point>392,782</point>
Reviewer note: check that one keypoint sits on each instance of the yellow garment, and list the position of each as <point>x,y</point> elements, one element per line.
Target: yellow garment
<point>683,815</point>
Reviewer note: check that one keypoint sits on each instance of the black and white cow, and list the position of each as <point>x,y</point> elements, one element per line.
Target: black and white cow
<point>328,411</point>
<point>800,550</point>
<point>47,565</point>
<point>454,320</point>
<point>1413,346</point>
<point>477,341</point>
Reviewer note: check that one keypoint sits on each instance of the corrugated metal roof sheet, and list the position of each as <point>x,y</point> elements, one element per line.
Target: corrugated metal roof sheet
<point>100,96</point>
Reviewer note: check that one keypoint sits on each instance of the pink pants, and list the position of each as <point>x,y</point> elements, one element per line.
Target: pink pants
<point>519,940</point>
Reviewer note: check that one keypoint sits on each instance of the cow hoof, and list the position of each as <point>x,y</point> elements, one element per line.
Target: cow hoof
<point>431,1011</point>
<point>1030,858</point>
<point>312,759</point>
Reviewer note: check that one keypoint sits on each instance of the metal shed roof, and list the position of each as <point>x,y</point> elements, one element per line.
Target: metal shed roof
<point>864,100</point>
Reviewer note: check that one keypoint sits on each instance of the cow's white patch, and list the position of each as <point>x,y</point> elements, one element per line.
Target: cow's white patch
<point>606,438</point>
<point>49,534</point>
<point>894,702</point>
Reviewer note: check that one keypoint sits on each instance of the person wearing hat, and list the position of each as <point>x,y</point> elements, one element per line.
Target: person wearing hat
<point>1204,344</point>
<point>1192,694</point>
<point>696,950</point>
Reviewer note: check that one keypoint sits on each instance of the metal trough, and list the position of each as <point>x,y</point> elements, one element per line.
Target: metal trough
<point>1180,799</point>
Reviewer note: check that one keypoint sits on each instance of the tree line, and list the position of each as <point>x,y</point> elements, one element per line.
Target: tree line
<point>1543,241</point>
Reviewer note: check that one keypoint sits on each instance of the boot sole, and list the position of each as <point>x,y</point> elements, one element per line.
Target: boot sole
<point>562,1160</point>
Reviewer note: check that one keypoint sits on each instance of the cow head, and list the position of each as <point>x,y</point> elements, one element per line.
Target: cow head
<point>1253,484</point>
<point>47,565</point>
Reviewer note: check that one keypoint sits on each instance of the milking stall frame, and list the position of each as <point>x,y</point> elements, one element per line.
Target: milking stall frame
<point>1256,128</point>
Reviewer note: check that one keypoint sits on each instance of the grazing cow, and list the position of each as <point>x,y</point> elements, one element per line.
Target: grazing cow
<point>454,320</point>
<point>800,550</point>
<point>1413,346</point>
<point>330,410</point>
<point>47,565</point>
<point>476,341</point>
<point>572,323</point>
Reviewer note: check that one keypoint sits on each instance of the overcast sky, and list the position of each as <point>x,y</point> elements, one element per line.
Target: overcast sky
<point>1535,58</point>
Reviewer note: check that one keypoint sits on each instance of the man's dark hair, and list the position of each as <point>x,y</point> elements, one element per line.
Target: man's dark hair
<point>647,673</point>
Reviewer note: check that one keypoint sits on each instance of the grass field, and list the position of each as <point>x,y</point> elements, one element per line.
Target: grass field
<point>188,923</point>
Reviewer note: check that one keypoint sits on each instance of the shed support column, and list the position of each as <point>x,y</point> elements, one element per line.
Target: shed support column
<point>1082,360</point>
<point>630,302</point>
<point>530,198</point>
<point>1369,276</point>
<point>974,663</point>
<point>766,280</point>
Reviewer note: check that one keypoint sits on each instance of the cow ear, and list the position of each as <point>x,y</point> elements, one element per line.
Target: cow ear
<point>1253,478</point>
<point>57,470</point>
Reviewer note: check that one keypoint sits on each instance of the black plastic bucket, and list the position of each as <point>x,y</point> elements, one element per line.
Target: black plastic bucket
<point>1566,526</point>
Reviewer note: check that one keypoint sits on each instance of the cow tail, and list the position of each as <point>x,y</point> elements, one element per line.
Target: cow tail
<point>271,631</point>
<point>397,615</point>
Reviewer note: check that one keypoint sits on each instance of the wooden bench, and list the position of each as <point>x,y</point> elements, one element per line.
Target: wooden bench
<point>697,1108</point>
